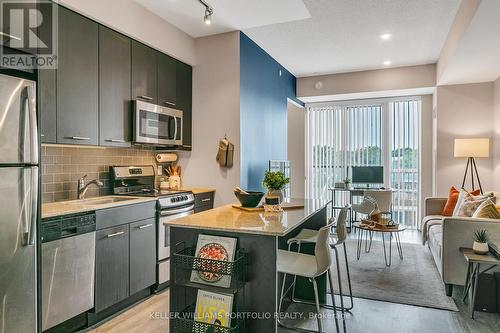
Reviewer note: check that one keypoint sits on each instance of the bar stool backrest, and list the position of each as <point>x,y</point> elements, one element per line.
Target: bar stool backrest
<point>341,228</point>
<point>322,250</point>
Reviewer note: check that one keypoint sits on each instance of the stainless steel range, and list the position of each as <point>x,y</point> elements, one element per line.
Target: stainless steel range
<point>140,181</point>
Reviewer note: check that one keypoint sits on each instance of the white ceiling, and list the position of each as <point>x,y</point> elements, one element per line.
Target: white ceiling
<point>343,35</point>
<point>313,37</point>
<point>477,57</point>
<point>229,15</point>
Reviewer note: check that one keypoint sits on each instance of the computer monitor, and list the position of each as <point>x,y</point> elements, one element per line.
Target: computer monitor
<point>367,174</point>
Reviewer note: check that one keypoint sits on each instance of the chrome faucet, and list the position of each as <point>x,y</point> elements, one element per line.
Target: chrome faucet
<point>82,187</point>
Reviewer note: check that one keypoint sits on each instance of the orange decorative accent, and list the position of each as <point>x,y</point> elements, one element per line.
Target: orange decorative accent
<point>452,200</point>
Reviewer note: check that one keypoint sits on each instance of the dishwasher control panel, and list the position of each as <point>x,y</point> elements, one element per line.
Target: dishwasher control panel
<point>67,226</point>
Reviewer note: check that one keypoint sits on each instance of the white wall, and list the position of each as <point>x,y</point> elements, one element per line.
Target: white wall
<point>399,78</point>
<point>463,111</point>
<point>496,144</point>
<point>296,149</point>
<point>426,155</point>
<point>216,112</point>
<point>130,18</point>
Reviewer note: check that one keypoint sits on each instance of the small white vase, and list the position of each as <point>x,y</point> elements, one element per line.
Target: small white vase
<point>276,193</point>
<point>480,248</point>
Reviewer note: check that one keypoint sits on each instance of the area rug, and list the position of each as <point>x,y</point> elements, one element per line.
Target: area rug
<point>414,280</point>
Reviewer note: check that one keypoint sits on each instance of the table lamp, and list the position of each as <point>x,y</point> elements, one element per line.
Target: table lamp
<point>472,148</point>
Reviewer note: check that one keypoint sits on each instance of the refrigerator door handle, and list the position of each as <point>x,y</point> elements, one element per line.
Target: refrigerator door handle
<point>33,124</point>
<point>34,205</point>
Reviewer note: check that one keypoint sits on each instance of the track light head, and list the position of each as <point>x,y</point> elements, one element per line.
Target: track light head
<point>208,12</point>
<point>208,16</point>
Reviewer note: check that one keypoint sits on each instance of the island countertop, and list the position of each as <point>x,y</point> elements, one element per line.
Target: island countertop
<point>228,218</point>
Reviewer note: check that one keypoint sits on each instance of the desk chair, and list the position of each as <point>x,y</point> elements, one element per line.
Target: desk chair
<point>383,198</point>
<point>311,267</point>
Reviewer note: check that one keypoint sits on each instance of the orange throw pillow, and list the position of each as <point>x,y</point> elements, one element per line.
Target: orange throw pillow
<point>451,202</point>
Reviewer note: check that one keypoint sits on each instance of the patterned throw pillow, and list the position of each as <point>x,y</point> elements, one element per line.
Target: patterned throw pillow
<point>487,210</point>
<point>469,205</point>
<point>461,196</point>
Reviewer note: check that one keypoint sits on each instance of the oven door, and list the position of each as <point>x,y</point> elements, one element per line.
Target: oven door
<point>164,239</point>
<point>157,125</point>
<point>163,230</point>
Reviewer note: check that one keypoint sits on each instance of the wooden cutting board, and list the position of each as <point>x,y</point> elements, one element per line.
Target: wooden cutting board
<point>286,206</point>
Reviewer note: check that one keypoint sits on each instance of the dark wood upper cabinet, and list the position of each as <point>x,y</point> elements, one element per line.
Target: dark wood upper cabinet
<point>77,79</point>
<point>184,101</point>
<point>167,84</point>
<point>115,105</point>
<point>144,73</point>
<point>47,108</point>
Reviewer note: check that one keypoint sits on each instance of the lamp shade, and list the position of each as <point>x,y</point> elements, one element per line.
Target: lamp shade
<point>472,147</point>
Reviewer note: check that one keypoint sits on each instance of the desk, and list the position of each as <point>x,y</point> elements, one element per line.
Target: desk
<point>475,261</point>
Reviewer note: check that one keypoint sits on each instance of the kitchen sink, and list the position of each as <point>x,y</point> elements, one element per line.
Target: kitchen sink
<point>103,201</point>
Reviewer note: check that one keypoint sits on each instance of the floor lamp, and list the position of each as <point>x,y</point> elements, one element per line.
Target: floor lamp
<point>472,148</point>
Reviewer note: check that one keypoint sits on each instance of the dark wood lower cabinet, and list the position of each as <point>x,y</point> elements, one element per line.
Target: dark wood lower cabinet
<point>142,255</point>
<point>112,266</point>
<point>203,201</point>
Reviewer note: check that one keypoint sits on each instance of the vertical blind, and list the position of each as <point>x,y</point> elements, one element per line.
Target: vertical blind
<point>339,136</point>
<point>405,160</point>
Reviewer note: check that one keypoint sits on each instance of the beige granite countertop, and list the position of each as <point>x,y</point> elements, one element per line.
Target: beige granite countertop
<point>198,190</point>
<point>228,218</point>
<point>86,205</point>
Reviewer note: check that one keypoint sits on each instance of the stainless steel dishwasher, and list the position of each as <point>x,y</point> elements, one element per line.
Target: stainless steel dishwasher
<point>68,265</point>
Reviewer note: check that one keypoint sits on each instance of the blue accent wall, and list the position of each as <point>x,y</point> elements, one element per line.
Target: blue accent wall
<point>263,111</point>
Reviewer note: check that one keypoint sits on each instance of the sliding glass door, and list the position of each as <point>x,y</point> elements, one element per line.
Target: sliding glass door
<point>383,132</point>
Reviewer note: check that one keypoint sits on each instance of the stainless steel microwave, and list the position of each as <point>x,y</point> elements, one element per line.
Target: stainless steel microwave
<point>157,125</point>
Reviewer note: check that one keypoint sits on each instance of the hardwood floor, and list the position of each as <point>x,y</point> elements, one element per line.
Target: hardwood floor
<point>150,316</point>
<point>367,316</point>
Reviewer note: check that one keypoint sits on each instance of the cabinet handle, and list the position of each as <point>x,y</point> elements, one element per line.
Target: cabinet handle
<point>169,103</point>
<point>145,226</point>
<point>205,200</point>
<point>116,140</point>
<point>148,98</point>
<point>81,138</point>
<point>116,234</point>
<point>42,135</point>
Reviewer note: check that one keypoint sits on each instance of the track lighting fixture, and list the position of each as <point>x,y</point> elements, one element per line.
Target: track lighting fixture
<point>208,12</point>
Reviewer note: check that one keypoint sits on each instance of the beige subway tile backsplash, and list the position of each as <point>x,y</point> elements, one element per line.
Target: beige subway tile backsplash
<point>63,166</point>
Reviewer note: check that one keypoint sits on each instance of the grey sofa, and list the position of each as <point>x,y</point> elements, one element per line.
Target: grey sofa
<point>446,235</point>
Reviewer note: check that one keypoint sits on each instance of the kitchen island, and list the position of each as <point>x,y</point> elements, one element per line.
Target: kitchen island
<point>259,235</point>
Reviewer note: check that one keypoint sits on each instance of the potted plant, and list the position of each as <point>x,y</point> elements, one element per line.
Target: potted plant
<point>480,245</point>
<point>275,182</point>
<point>347,182</point>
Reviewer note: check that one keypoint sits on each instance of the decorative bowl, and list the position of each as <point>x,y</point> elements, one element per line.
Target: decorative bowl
<point>250,200</point>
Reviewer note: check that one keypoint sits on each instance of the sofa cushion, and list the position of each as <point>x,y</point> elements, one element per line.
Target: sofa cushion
<point>428,218</point>
<point>436,239</point>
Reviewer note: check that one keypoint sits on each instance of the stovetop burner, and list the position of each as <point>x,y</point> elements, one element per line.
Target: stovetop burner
<point>140,181</point>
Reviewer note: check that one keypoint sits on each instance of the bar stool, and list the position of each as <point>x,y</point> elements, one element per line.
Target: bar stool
<point>337,239</point>
<point>310,267</point>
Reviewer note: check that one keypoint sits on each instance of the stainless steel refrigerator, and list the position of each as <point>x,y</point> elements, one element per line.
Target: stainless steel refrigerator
<point>19,161</point>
